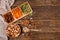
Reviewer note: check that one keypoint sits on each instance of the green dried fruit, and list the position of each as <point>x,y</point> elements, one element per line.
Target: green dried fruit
<point>26,8</point>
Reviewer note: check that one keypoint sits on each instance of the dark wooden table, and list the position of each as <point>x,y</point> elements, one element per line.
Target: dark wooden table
<point>46,16</point>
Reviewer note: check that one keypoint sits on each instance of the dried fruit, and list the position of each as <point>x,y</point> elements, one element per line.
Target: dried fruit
<point>26,8</point>
<point>17,13</point>
<point>8,17</point>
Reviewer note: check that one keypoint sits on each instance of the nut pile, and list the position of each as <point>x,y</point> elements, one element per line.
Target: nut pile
<point>13,31</point>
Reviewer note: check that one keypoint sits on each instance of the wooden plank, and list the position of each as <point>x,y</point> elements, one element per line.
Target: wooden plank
<point>40,2</point>
<point>46,26</point>
<point>44,2</point>
<point>39,36</point>
<point>46,12</point>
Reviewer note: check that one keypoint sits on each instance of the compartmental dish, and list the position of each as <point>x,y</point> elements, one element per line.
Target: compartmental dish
<point>17,13</point>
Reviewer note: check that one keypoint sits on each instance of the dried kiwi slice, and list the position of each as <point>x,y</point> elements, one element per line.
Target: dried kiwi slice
<point>26,8</point>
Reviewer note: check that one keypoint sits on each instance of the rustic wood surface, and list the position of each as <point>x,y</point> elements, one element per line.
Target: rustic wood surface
<point>46,16</point>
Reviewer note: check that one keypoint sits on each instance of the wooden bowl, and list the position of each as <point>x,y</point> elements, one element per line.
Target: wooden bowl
<point>13,30</point>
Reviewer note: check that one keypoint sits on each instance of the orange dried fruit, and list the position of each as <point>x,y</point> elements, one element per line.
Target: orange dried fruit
<point>17,12</point>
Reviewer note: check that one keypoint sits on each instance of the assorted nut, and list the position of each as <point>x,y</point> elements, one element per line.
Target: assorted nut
<point>13,31</point>
<point>25,22</point>
<point>25,29</point>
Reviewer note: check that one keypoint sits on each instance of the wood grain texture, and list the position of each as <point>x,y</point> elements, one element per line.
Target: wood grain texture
<point>46,16</point>
<point>45,2</point>
<point>46,12</point>
<point>39,2</point>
